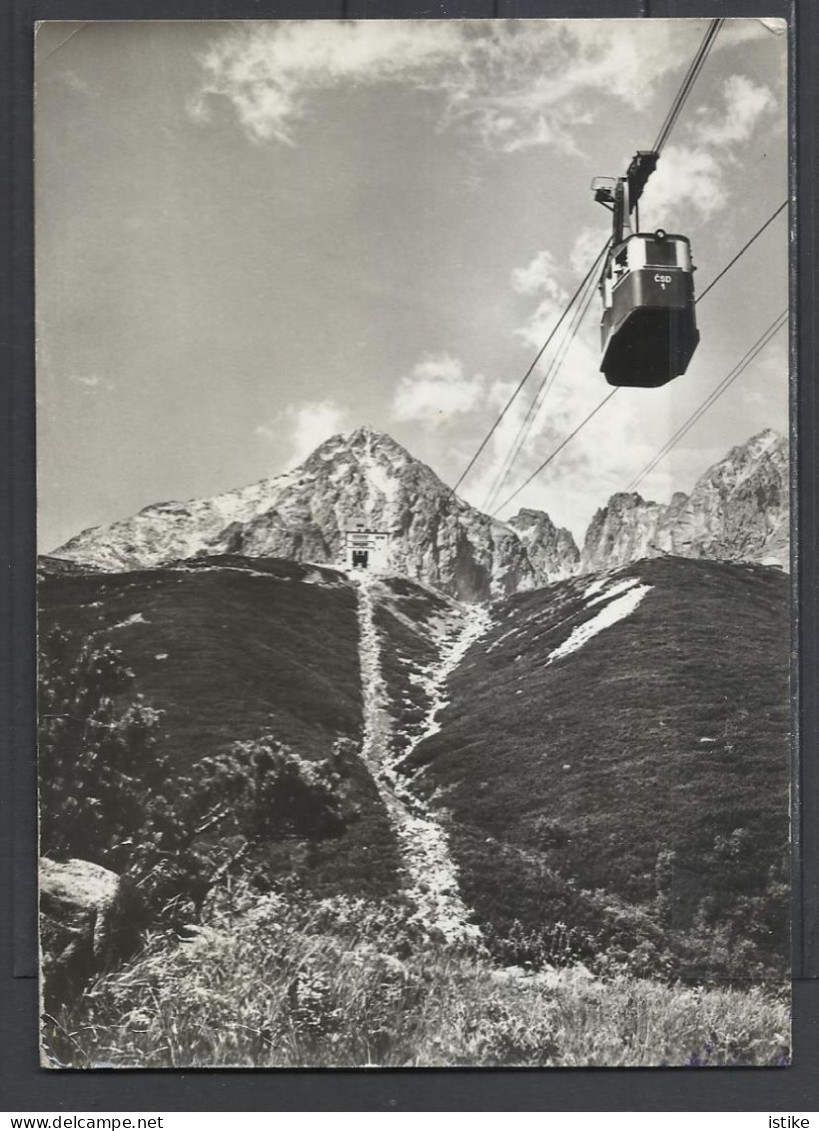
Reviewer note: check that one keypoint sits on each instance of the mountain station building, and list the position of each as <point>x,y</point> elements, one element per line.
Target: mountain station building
<point>366,549</point>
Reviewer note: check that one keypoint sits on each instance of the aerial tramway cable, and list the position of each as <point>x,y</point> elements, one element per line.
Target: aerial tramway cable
<point>583,423</point>
<point>525,377</point>
<point>557,450</point>
<point>668,124</point>
<point>687,84</point>
<point>545,385</point>
<point>713,396</point>
<point>742,250</point>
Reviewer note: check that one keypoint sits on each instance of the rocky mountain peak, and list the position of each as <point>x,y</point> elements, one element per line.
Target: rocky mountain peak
<point>622,531</point>
<point>360,441</point>
<point>738,510</point>
<point>363,477</point>
<point>552,550</point>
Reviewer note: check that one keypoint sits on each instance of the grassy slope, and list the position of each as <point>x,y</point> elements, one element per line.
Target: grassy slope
<point>665,732</point>
<point>228,655</point>
<point>346,982</point>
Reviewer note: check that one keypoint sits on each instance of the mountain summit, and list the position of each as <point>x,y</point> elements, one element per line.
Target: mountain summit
<point>360,477</point>
<point>738,511</point>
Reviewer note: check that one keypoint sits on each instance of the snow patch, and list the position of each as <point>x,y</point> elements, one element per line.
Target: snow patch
<point>615,590</point>
<point>316,577</point>
<point>610,614</point>
<point>136,618</point>
<point>595,587</point>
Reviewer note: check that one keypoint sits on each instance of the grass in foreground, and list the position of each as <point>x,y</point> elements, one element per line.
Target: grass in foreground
<point>342,982</point>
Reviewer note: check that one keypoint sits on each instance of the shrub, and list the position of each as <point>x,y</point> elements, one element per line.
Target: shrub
<point>108,793</point>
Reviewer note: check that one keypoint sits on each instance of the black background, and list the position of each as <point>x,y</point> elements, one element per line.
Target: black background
<point>26,1087</point>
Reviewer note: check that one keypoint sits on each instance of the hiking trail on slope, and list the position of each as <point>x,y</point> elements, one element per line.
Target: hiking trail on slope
<point>431,873</point>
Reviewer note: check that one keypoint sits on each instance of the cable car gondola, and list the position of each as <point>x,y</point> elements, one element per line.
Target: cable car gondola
<point>649,327</point>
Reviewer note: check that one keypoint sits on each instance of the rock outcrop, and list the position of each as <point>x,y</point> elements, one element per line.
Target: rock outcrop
<point>89,920</point>
<point>622,531</point>
<point>737,511</point>
<point>551,549</point>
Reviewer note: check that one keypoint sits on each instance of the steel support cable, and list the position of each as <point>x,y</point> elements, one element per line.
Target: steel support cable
<point>712,397</point>
<point>535,406</point>
<point>742,250</point>
<point>687,84</point>
<point>713,282</point>
<point>668,125</point>
<point>581,307</point>
<point>499,483</point>
<point>526,375</point>
<point>539,398</point>
<point>558,449</point>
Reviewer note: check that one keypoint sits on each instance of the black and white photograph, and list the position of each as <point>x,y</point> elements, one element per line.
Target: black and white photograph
<point>414,598</point>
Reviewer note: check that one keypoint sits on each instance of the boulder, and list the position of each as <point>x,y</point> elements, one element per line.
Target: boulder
<point>90,920</point>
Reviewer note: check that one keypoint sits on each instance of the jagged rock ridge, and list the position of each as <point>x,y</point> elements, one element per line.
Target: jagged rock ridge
<point>552,550</point>
<point>365,476</point>
<point>737,511</point>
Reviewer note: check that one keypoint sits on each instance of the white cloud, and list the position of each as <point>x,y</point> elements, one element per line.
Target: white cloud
<point>513,84</point>
<point>553,283</point>
<point>269,71</point>
<point>693,172</point>
<point>585,249</point>
<point>686,176</point>
<point>745,103</point>
<point>534,429</point>
<point>309,424</point>
<point>604,453</point>
<point>538,276</point>
<point>435,391</point>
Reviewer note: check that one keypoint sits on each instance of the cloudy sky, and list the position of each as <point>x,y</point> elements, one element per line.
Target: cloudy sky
<point>253,235</point>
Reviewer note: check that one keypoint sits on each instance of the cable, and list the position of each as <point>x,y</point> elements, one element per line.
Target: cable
<point>557,450</point>
<point>713,283</point>
<point>742,251</point>
<point>535,406</point>
<point>687,84</point>
<point>670,120</point>
<point>684,88</point>
<point>677,105</point>
<point>546,384</point>
<point>739,368</point>
<point>712,397</point>
<point>542,391</point>
<point>526,375</point>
